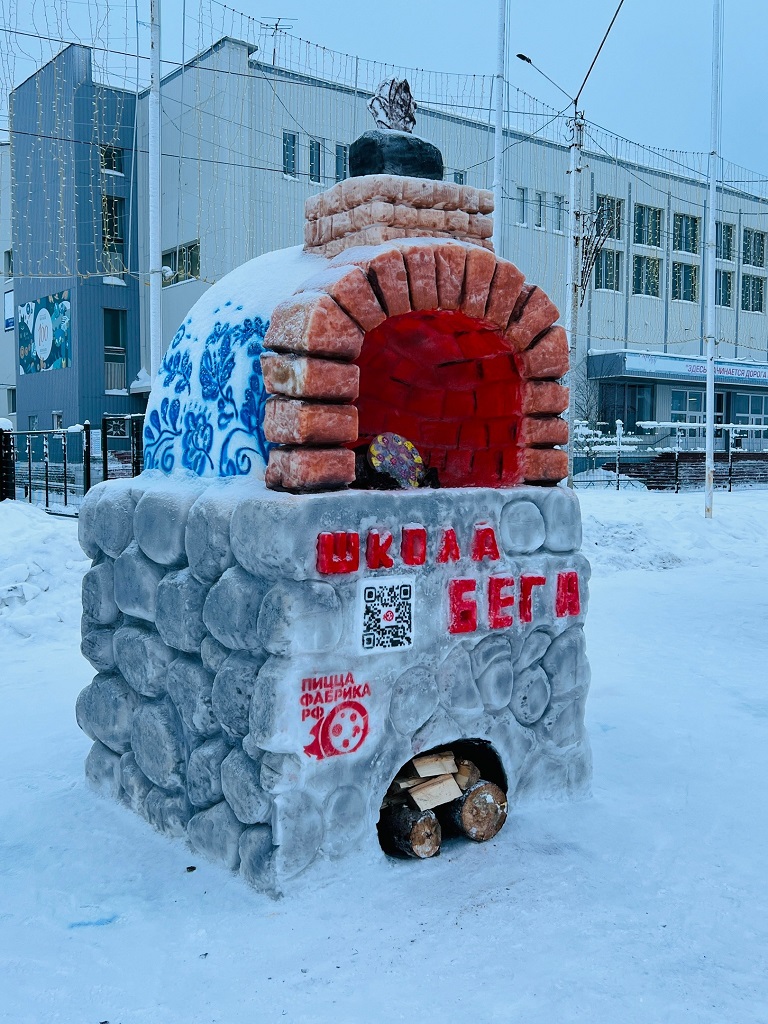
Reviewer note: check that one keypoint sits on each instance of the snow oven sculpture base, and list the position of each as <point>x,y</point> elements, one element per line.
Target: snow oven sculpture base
<point>268,662</point>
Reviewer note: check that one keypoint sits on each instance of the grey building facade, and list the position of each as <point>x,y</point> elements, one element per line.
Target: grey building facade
<point>245,142</point>
<point>74,245</point>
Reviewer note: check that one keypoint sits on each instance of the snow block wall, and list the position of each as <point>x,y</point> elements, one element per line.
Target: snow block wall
<point>267,662</point>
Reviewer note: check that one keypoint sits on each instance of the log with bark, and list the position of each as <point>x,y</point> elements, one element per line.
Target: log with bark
<point>409,831</point>
<point>478,814</point>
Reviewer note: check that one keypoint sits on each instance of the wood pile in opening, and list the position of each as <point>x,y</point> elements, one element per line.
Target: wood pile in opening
<point>436,794</point>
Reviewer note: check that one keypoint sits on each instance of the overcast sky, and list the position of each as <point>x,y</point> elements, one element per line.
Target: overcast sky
<point>652,82</point>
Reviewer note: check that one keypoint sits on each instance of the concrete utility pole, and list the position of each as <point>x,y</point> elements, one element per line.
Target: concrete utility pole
<point>155,192</point>
<point>498,133</point>
<point>710,325</point>
<point>573,276</point>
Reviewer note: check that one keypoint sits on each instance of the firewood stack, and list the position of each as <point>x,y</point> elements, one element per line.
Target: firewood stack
<point>436,795</point>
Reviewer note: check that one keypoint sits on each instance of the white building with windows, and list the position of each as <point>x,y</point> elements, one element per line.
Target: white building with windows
<point>246,141</point>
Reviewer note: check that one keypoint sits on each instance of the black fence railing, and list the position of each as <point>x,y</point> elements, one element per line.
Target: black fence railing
<point>56,468</point>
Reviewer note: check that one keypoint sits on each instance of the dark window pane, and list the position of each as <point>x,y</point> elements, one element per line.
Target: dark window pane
<point>314,160</point>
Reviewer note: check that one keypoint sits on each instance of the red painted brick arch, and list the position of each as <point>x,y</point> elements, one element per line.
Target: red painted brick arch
<point>441,341</point>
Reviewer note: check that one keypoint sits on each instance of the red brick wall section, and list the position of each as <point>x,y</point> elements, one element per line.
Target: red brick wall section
<point>439,341</point>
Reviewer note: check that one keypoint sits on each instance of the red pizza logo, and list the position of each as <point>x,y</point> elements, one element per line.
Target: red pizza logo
<point>342,731</point>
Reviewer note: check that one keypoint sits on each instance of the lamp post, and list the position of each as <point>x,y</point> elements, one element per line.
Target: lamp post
<point>498,132</point>
<point>154,197</point>
<point>710,250</point>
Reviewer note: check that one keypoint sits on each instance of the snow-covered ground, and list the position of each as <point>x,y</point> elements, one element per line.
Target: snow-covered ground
<point>647,903</point>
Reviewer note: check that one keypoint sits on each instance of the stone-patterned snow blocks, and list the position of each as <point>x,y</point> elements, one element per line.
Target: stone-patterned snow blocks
<point>266,663</point>
<point>376,208</point>
<point>439,341</point>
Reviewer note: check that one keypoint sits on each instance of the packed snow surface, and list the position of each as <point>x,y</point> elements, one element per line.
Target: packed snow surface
<point>647,903</point>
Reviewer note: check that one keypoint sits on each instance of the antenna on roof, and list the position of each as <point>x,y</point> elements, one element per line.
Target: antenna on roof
<point>276,25</point>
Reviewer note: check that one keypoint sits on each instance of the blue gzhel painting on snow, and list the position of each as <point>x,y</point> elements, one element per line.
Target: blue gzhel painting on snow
<point>206,410</point>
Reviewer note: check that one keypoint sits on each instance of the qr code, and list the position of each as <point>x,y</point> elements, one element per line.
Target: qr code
<point>388,614</point>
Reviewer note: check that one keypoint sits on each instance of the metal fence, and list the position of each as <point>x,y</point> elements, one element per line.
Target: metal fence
<point>55,469</point>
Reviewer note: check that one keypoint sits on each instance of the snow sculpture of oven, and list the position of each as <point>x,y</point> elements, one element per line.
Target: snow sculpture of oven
<point>278,629</point>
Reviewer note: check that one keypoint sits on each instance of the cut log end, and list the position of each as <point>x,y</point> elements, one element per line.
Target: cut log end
<point>414,833</point>
<point>480,813</point>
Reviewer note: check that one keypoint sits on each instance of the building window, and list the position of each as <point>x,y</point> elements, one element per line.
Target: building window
<point>315,172</point>
<point>11,393</point>
<point>522,205</point>
<point>8,313</point>
<point>750,410</point>
<point>723,287</point>
<point>539,206</point>
<point>290,155</point>
<point>753,248</point>
<point>609,217</point>
<point>113,234</point>
<point>558,206</point>
<point>646,275</point>
<point>647,225</point>
<point>752,293</point>
<point>114,350</point>
<point>181,264</point>
<point>57,419</point>
<point>608,270</point>
<point>685,282</point>
<point>685,234</point>
<point>460,177</point>
<point>111,159</point>
<point>630,403</point>
<point>342,162</point>
<point>8,263</point>
<point>32,422</point>
<point>688,407</point>
<point>724,241</point>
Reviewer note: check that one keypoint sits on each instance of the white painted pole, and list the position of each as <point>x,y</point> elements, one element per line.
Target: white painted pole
<point>710,253</point>
<point>573,277</point>
<point>498,132</point>
<point>154,192</point>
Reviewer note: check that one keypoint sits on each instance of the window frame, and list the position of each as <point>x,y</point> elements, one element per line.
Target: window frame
<point>752,239</point>
<point>686,231</point>
<point>685,282</point>
<point>540,210</point>
<point>722,276</point>
<point>111,155</point>
<point>342,162</point>
<point>645,219</point>
<point>290,154</point>
<point>315,161</point>
<point>521,206</point>
<point>188,255</point>
<point>720,236</point>
<point>558,205</point>
<point>115,368</point>
<point>645,262</point>
<point>113,244</point>
<point>752,286</point>
<point>604,275</point>
<point>608,213</point>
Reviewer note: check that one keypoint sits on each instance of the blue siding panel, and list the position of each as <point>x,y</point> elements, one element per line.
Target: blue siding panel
<point>59,121</point>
